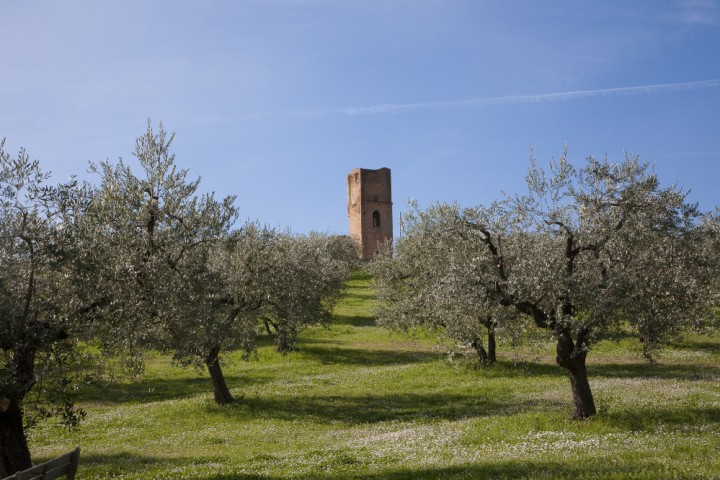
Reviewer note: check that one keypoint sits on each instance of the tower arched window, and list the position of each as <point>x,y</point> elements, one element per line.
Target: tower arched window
<point>376,218</point>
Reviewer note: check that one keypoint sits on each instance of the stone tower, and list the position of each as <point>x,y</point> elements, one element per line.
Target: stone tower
<point>370,209</point>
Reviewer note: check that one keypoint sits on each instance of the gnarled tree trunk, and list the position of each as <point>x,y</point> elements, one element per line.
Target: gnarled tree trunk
<point>220,389</point>
<point>492,347</point>
<point>573,360</point>
<point>282,345</point>
<point>478,346</point>
<point>491,356</point>
<point>14,451</point>
<point>583,403</point>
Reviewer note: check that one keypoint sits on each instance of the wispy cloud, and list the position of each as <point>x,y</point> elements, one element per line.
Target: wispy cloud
<point>543,97</point>
<point>396,108</point>
<point>697,13</point>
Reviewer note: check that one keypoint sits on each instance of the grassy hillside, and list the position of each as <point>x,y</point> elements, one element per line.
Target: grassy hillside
<point>355,401</point>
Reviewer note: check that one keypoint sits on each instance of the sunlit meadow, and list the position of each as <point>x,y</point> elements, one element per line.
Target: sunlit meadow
<point>357,401</point>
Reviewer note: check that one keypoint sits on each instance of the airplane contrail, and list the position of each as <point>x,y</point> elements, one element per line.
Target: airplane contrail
<point>543,97</point>
<point>391,108</point>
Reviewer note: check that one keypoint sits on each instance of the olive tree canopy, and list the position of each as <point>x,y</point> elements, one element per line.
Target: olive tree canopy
<point>155,234</point>
<point>429,281</point>
<point>584,252</point>
<point>306,278</point>
<point>40,310</point>
<point>179,277</point>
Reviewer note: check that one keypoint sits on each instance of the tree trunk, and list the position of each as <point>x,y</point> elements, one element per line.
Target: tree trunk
<point>583,403</point>
<point>482,353</point>
<point>14,452</point>
<point>574,362</point>
<point>220,389</point>
<point>492,358</point>
<point>281,343</point>
<point>266,322</point>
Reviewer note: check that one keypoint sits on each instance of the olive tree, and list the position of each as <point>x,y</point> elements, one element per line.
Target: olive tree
<point>427,281</point>
<point>259,276</point>
<point>308,272</point>
<point>706,243</point>
<point>223,305</point>
<point>155,235</point>
<point>583,253</point>
<point>179,278</point>
<point>38,305</point>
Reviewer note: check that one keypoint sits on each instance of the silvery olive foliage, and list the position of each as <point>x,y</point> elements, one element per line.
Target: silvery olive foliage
<point>138,261</point>
<point>707,263</point>
<point>259,276</point>
<point>585,253</point>
<point>38,302</point>
<point>155,235</point>
<point>430,279</point>
<point>178,276</point>
<point>225,307</point>
<point>285,281</point>
<point>307,275</point>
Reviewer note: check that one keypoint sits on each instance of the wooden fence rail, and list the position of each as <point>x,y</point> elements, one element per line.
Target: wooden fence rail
<point>66,465</point>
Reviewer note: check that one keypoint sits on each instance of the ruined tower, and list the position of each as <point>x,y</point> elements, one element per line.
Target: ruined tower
<point>370,209</point>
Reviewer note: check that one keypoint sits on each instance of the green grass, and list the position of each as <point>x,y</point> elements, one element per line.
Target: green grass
<point>356,401</point>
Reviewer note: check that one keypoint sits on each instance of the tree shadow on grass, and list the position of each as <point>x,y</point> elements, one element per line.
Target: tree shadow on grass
<point>335,354</point>
<point>647,370</point>
<point>340,465</point>
<point>355,293</point>
<point>653,371</point>
<point>354,320</point>
<point>153,389</point>
<point>514,369</point>
<point>159,389</point>
<point>649,418</point>
<point>640,370</point>
<point>521,468</point>
<point>122,464</point>
<point>117,464</point>
<point>510,469</point>
<point>710,347</point>
<point>367,409</point>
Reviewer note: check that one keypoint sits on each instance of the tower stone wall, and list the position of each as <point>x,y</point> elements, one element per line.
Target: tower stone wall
<point>370,209</point>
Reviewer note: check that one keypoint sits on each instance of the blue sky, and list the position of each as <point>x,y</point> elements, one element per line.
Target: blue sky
<point>277,100</point>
